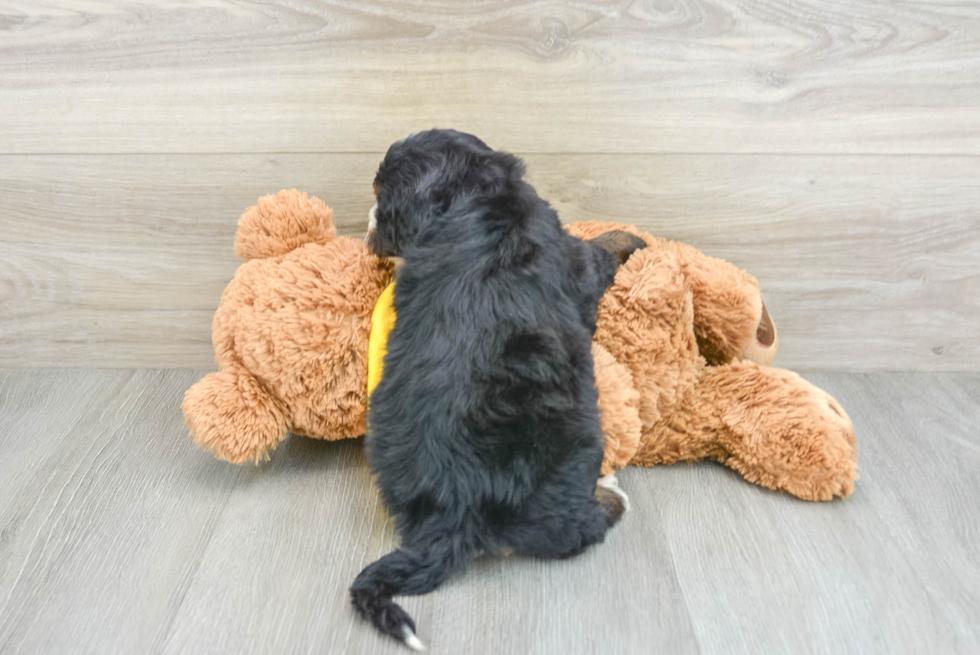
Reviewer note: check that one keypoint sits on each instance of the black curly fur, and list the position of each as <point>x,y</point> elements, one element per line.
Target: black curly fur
<point>484,432</point>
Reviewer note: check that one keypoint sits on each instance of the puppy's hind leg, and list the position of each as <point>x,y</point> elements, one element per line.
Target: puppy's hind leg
<point>560,525</point>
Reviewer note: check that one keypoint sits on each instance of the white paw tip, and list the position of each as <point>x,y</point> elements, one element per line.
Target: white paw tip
<point>626,500</point>
<point>608,481</point>
<point>612,484</point>
<point>411,640</point>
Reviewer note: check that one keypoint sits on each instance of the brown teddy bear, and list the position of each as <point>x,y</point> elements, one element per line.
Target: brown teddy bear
<point>681,352</point>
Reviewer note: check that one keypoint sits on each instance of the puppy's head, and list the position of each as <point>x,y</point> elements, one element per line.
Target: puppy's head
<point>422,177</point>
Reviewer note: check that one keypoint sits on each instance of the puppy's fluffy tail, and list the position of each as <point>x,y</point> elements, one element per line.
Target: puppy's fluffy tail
<point>409,572</point>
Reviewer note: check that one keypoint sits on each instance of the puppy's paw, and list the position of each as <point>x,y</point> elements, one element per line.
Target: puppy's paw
<point>612,500</point>
<point>612,484</point>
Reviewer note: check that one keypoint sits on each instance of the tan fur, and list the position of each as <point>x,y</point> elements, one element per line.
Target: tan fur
<point>281,223</point>
<point>290,336</point>
<point>669,305</point>
<point>619,403</point>
<point>675,334</point>
<point>727,300</point>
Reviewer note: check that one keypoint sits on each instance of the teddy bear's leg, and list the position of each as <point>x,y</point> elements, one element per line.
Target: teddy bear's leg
<point>772,426</point>
<point>230,414</point>
<point>731,320</point>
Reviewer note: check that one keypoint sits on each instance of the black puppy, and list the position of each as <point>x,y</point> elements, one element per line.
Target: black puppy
<point>484,432</point>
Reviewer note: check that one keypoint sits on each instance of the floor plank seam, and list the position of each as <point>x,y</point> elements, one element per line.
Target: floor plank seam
<point>54,506</point>
<point>213,529</point>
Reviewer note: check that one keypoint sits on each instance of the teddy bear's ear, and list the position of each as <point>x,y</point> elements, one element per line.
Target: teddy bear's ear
<point>281,223</point>
<point>587,230</point>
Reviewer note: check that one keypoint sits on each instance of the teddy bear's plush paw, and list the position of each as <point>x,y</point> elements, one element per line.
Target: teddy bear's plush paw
<point>230,414</point>
<point>836,478</point>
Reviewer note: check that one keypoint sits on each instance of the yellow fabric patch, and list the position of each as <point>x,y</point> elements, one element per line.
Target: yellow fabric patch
<point>382,322</point>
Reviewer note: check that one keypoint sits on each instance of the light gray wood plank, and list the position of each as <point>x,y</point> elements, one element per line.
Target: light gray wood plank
<point>297,532</point>
<point>293,535</point>
<point>893,569</point>
<point>126,538</point>
<point>101,540</point>
<point>620,597</point>
<point>595,76</point>
<point>39,415</point>
<point>39,418</point>
<point>865,262</point>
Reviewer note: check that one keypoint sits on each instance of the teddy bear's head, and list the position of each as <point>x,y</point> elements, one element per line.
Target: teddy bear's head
<point>289,333</point>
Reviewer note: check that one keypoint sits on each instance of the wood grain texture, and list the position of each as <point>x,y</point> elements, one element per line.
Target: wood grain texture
<point>865,262</point>
<point>591,76</point>
<point>121,536</point>
<point>265,586</point>
<point>893,569</point>
<point>106,510</point>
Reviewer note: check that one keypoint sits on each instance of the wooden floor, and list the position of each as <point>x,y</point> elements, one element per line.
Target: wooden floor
<point>117,535</point>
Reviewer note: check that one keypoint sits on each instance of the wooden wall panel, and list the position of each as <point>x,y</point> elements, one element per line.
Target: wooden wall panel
<point>831,147</point>
<point>838,76</point>
<point>867,262</point>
